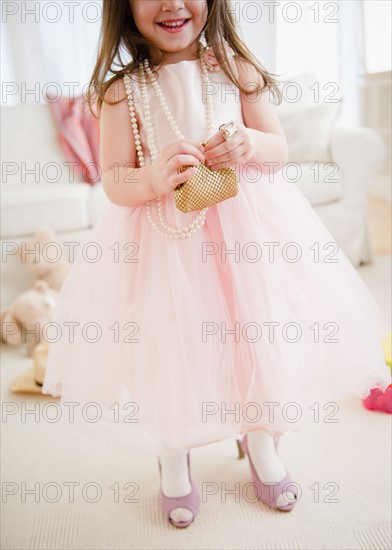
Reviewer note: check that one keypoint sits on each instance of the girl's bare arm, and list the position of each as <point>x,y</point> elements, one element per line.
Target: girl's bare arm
<point>123,183</point>
<point>262,121</point>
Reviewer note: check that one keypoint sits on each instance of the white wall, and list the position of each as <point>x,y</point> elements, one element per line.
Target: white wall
<point>257,31</point>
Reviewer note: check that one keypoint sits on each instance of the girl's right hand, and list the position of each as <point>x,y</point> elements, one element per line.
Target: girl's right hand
<point>164,170</point>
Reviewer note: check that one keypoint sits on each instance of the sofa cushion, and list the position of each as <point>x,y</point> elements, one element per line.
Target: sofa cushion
<point>25,207</point>
<point>78,134</point>
<point>305,90</point>
<point>308,132</point>
<point>31,153</point>
<point>308,112</point>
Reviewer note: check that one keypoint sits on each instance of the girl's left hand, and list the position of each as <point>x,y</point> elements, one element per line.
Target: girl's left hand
<point>239,149</point>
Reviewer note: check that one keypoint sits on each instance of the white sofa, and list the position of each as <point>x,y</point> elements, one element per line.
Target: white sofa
<point>73,207</point>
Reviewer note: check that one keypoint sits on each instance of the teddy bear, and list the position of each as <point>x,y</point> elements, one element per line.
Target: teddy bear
<point>42,264</point>
<point>23,321</point>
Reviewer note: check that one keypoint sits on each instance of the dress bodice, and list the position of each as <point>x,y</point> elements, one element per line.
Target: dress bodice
<point>182,86</point>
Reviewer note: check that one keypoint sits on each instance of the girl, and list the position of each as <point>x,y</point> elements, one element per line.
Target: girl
<point>236,319</point>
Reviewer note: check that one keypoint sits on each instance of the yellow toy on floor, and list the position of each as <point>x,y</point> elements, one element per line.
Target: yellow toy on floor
<point>387,345</point>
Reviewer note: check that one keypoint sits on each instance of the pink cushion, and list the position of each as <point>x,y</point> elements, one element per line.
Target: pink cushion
<point>78,135</point>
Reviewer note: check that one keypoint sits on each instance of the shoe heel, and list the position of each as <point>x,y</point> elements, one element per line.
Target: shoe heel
<point>240,451</point>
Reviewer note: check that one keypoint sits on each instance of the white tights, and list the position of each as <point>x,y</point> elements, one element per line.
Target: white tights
<point>175,480</point>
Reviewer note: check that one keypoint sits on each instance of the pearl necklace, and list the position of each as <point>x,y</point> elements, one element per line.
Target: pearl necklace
<point>164,228</point>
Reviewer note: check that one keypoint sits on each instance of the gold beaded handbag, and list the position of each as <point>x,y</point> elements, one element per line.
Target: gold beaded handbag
<point>205,188</point>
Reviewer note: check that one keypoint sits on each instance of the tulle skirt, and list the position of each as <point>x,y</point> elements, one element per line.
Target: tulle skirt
<point>257,321</point>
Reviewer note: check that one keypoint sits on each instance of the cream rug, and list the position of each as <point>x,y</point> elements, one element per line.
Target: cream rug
<point>343,469</point>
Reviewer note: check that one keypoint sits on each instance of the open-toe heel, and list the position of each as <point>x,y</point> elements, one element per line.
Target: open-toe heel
<point>268,492</point>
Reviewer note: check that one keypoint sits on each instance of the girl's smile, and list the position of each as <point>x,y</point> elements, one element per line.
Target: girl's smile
<point>173,25</point>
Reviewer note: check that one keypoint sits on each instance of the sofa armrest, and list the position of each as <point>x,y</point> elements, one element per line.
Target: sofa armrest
<point>359,153</point>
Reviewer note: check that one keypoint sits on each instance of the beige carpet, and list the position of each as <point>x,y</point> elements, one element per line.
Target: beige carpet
<point>343,470</point>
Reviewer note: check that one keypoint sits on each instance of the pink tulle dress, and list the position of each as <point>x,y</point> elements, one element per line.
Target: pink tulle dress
<point>253,322</point>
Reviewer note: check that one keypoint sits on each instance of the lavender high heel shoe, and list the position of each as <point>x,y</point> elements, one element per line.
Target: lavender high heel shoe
<point>191,501</point>
<point>267,492</point>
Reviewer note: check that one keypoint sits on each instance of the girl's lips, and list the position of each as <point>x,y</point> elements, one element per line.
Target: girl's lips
<point>175,29</point>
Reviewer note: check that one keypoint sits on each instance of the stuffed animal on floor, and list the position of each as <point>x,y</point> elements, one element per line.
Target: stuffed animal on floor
<point>48,263</point>
<point>23,321</point>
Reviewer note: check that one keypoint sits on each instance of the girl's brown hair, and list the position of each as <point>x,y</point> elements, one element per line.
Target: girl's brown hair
<point>119,32</point>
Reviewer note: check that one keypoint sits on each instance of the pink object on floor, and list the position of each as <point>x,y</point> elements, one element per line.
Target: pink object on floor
<point>78,135</point>
<point>379,401</point>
